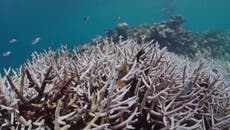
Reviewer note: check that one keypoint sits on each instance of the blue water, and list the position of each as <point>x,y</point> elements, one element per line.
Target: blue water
<point>61,21</point>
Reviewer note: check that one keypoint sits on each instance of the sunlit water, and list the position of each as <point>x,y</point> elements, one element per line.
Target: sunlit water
<point>62,21</point>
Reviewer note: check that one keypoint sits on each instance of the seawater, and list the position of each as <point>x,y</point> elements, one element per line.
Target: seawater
<point>62,21</point>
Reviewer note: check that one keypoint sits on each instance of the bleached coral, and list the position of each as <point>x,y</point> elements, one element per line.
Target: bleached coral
<point>114,86</point>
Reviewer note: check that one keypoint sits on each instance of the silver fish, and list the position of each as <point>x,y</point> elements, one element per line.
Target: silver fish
<point>36,40</point>
<point>13,40</point>
<point>7,53</point>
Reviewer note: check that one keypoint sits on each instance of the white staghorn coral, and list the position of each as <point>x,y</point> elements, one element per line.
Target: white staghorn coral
<point>114,86</point>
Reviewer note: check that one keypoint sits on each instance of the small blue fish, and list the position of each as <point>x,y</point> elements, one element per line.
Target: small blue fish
<point>86,18</point>
<point>117,19</point>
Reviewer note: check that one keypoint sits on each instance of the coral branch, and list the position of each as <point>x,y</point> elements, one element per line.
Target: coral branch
<point>21,97</point>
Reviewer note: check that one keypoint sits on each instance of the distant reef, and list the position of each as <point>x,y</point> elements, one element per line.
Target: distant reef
<point>143,78</point>
<point>211,44</point>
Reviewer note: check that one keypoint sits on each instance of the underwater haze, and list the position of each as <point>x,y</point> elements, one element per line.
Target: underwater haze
<point>34,25</point>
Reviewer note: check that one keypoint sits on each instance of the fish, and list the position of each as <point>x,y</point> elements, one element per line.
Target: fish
<point>168,8</point>
<point>121,83</point>
<point>109,32</point>
<point>86,18</point>
<point>13,40</point>
<point>36,40</point>
<point>117,19</point>
<point>7,53</point>
<point>98,37</point>
<point>122,70</point>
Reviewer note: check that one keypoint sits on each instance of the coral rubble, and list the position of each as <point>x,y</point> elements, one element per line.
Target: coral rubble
<point>113,86</point>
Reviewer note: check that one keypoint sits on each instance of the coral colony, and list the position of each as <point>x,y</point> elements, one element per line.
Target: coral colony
<point>113,86</point>
<point>123,82</point>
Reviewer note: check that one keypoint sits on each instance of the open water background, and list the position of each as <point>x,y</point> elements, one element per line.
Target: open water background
<point>62,21</point>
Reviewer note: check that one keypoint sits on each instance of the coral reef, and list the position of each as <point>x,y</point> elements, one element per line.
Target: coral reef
<point>215,46</point>
<point>113,86</point>
<point>122,29</point>
<point>167,33</point>
<point>212,45</point>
